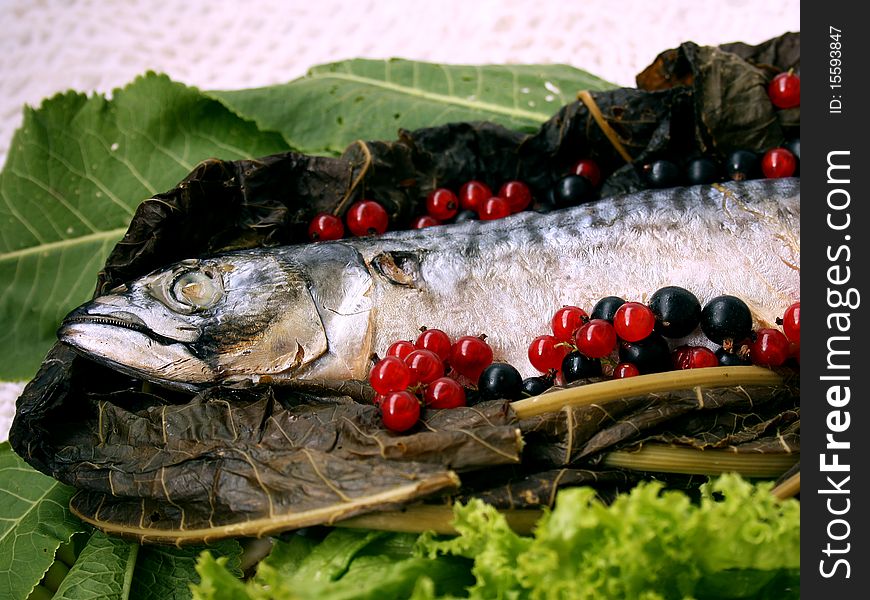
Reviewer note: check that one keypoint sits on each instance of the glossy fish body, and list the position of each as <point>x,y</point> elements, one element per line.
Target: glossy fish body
<point>319,311</point>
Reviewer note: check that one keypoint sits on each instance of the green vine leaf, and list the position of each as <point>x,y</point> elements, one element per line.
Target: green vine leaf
<point>166,572</point>
<point>103,570</point>
<point>34,522</point>
<point>336,104</point>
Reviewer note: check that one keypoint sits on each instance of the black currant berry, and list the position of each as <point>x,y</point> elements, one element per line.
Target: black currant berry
<point>532,386</point>
<point>661,174</point>
<point>465,215</point>
<point>577,366</point>
<point>545,206</point>
<point>701,171</point>
<point>500,380</point>
<point>606,308</point>
<point>571,191</point>
<point>726,317</point>
<point>677,311</point>
<point>650,355</point>
<point>729,359</point>
<point>742,165</point>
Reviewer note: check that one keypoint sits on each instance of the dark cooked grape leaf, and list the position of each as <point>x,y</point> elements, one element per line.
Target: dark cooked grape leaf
<point>701,417</point>
<point>732,108</point>
<point>244,463</point>
<point>781,53</point>
<point>524,487</point>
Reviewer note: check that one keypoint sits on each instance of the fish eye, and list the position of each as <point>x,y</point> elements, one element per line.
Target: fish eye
<point>197,289</point>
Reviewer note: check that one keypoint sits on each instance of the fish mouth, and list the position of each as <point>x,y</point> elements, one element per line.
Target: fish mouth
<point>118,319</point>
<point>122,319</point>
<point>123,341</point>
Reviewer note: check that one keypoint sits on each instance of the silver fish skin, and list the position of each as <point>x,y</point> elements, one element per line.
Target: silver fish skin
<point>319,311</point>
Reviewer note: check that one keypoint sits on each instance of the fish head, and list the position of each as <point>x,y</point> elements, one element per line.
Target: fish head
<point>228,318</point>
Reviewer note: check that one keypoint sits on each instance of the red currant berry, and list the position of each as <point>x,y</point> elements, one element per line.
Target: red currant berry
<point>588,168</point>
<point>596,339</point>
<point>791,323</point>
<point>770,348</point>
<point>704,357</point>
<point>424,221</point>
<point>435,340</point>
<point>778,162</point>
<point>389,374</point>
<point>567,321</point>
<point>700,357</point>
<point>494,208</point>
<point>401,349</point>
<point>545,353</point>
<point>517,195</point>
<point>470,355</point>
<point>473,194</point>
<point>633,321</point>
<point>442,204</point>
<point>400,411</point>
<point>444,393</point>
<point>367,217</point>
<point>425,366</point>
<point>785,90</point>
<point>680,357</point>
<point>623,370</point>
<point>324,227</point>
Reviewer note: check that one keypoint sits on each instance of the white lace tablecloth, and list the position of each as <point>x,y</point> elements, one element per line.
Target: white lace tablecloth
<point>49,46</point>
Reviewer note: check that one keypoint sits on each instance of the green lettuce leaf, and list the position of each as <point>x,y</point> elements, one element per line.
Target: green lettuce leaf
<point>738,541</point>
<point>338,103</point>
<point>347,564</point>
<point>34,522</point>
<point>218,583</point>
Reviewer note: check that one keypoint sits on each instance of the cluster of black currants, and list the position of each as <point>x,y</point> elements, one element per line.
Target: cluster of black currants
<point>739,165</point>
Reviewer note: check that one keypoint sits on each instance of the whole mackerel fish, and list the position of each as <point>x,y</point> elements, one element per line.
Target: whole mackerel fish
<point>319,311</point>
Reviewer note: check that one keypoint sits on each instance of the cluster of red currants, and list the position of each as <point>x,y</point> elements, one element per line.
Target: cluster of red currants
<point>474,201</point>
<point>365,217</point>
<point>425,373</point>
